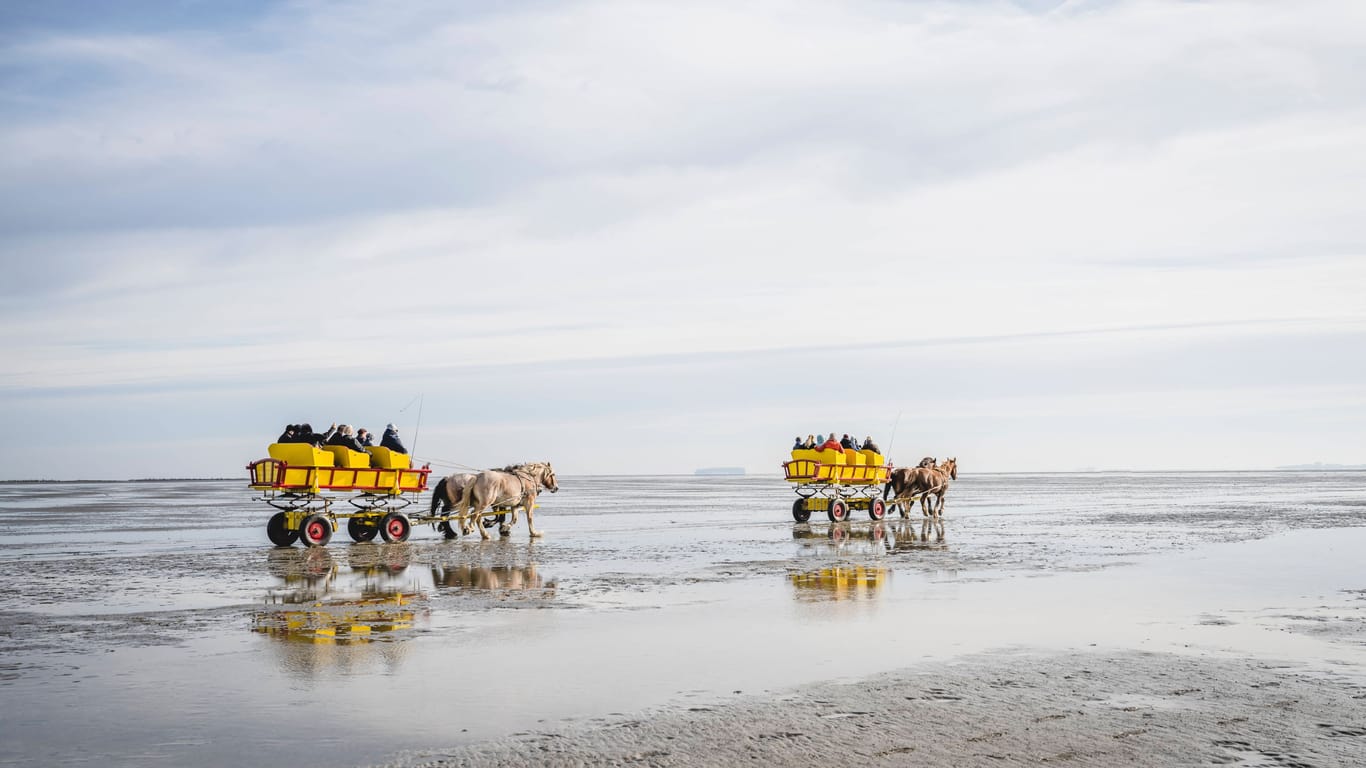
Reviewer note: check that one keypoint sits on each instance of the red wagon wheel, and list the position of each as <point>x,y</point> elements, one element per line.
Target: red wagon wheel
<point>395,527</point>
<point>839,511</point>
<point>316,531</point>
<point>877,510</point>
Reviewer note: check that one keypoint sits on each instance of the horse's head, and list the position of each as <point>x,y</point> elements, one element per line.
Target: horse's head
<point>548,479</point>
<point>951,467</point>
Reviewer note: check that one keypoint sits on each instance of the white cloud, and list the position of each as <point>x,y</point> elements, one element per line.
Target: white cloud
<point>339,194</point>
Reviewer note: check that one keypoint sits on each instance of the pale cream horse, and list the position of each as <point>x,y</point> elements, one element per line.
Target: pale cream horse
<point>510,488</point>
<point>448,494</point>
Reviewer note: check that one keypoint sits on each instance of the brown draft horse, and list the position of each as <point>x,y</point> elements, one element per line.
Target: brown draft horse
<point>925,481</point>
<point>512,488</point>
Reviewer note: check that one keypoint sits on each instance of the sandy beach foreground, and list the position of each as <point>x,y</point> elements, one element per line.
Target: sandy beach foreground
<point>1020,709</point>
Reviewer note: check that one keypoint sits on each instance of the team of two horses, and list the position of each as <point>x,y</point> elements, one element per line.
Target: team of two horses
<point>515,487</point>
<point>510,488</point>
<point>929,480</point>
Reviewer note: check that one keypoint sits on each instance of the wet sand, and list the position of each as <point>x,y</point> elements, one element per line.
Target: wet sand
<point>999,709</point>
<point>1094,620</point>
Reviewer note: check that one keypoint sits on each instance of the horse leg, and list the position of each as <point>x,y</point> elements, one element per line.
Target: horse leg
<point>531,518</point>
<point>479,523</point>
<point>462,511</point>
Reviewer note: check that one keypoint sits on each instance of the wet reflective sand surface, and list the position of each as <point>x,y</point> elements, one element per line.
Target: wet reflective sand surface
<point>152,623</point>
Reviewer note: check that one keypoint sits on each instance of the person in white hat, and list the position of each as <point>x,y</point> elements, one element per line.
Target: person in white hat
<point>390,439</point>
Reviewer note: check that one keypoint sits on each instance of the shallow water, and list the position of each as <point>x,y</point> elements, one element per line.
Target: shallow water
<point>152,623</point>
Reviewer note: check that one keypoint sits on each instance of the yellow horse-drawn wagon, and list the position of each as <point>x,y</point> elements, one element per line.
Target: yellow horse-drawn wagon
<point>303,482</point>
<point>836,482</point>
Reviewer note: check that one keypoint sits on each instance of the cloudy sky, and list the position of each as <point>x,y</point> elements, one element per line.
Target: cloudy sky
<point>646,237</point>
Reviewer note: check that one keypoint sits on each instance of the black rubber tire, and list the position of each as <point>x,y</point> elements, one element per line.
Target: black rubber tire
<point>395,527</point>
<point>279,535</point>
<point>361,530</point>
<point>799,511</point>
<point>877,509</point>
<point>839,511</point>
<point>315,531</point>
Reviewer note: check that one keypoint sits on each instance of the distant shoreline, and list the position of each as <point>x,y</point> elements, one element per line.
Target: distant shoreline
<point>766,476</point>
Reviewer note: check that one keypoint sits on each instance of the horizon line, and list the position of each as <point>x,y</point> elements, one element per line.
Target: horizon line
<point>1320,467</point>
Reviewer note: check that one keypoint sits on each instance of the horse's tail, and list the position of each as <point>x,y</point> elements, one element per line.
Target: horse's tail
<point>439,496</point>
<point>886,490</point>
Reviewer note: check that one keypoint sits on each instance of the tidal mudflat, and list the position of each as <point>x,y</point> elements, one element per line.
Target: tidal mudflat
<point>1201,618</point>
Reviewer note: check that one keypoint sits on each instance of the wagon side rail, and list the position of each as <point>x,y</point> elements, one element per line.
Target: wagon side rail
<point>814,471</point>
<point>280,475</point>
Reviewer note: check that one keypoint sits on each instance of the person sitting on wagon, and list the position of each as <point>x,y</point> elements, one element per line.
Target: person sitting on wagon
<point>847,441</point>
<point>390,439</point>
<point>831,444</point>
<point>365,438</point>
<point>797,444</point>
<point>305,434</point>
<point>869,445</point>
<point>288,435</point>
<point>346,437</point>
<point>810,443</point>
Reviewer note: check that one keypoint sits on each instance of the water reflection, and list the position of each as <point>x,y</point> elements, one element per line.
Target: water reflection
<point>506,574</point>
<point>859,582</point>
<point>840,537</point>
<point>319,604</point>
<point>499,577</point>
<point>903,536</point>
<point>879,536</point>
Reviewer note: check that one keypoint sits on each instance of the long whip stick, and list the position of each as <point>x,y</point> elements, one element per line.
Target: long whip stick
<point>421,398</point>
<point>892,442</point>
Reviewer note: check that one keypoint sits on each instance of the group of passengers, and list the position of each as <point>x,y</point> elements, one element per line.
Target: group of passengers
<point>822,443</point>
<point>344,435</point>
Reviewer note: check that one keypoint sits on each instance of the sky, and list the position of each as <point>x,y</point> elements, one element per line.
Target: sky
<point>646,237</point>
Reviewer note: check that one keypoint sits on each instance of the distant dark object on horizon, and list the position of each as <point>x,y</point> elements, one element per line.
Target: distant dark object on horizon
<point>720,471</point>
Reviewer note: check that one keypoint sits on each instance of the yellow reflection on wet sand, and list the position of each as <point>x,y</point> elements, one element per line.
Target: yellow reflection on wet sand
<point>840,583</point>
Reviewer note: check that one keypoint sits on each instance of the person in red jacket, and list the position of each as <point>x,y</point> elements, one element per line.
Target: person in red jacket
<point>830,444</point>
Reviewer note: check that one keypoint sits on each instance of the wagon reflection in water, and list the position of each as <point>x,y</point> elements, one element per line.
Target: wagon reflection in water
<point>845,582</point>
<point>320,602</point>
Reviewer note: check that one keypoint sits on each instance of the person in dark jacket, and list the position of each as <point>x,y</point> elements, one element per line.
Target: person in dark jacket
<point>797,444</point>
<point>365,438</point>
<point>847,441</point>
<point>344,436</point>
<point>288,435</point>
<point>869,445</point>
<point>305,434</point>
<point>390,439</point>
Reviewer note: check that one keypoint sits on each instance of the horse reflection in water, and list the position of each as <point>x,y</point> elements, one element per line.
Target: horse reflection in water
<point>903,536</point>
<point>496,577</point>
